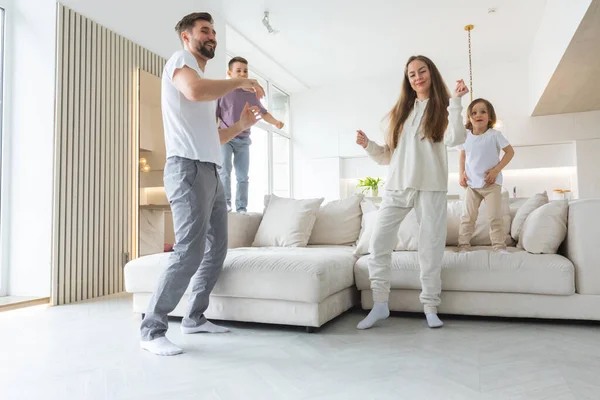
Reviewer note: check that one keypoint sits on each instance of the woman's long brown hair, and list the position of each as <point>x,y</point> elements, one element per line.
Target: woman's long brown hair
<point>435,119</point>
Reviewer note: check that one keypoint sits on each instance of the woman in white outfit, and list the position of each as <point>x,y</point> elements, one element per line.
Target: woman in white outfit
<point>422,124</point>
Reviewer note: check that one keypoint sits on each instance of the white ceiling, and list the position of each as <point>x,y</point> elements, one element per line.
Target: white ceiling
<point>329,41</point>
<point>574,86</point>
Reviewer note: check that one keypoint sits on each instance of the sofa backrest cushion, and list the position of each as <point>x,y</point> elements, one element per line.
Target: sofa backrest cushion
<point>581,245</point>
<point>407,238</point>
<point>286,222</point>
<point>338,222</point>
<point>545,228</point>
<point>523,212</point>
<point>242,228</point>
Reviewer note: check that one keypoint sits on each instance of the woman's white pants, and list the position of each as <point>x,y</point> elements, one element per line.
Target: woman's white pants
<point>431,211</point>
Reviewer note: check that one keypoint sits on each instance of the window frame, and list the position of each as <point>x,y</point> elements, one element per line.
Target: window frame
<point>3,251</point>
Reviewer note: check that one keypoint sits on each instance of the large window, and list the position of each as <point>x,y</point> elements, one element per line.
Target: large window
<point>270,153</point>
<point>1,82</point>
<point>281,166</point>
<point>280,106</point>
<point>2,274</point>
<point>1,77</point>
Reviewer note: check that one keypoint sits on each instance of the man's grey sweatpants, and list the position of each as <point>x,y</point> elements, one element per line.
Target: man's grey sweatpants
<point>197,201</point>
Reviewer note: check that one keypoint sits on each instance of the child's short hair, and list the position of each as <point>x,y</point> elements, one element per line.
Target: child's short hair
<point>237,59</point>
<point>490,110</point>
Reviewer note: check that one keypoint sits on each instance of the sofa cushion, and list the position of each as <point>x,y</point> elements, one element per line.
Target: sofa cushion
<point>241,228</point>
<point>308,274</point>
<point>338,222</point>
<point>407,237</point>
<point>287,222</point>
<point>483,271</point>
<point>369,219</point>
<point>514,204</point>
<point>581,245</point>
<point>545,228</point>
<point>523,212</point>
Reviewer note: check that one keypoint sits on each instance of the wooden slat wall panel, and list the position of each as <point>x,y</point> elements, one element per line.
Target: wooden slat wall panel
<point>94,156</point>
<point>96,167</point>
<point>68,178</point>
<point>77,272</point>
<point>102,182</point>
<point>110,172</point>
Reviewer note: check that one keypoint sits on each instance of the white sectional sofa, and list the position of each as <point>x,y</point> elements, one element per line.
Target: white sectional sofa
<point>289,286</point>
<point>304,263</point>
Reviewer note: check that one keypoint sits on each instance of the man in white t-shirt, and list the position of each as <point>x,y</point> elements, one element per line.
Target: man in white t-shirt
<point>192,182</point>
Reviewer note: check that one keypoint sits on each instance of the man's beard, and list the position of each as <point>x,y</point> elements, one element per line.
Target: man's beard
<point>206,52</point>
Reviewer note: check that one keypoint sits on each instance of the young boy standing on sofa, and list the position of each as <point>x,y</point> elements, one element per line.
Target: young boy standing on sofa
<point>229,109</point>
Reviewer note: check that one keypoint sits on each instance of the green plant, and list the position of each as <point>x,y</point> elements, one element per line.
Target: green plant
<point>370,184</point>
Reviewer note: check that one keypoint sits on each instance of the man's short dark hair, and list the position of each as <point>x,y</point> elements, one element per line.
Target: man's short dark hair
<point>237,59</point>
<point>188,22</point>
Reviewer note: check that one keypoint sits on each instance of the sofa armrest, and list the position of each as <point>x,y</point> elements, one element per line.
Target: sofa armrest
<point>582,245</point>
<point>242,228</point>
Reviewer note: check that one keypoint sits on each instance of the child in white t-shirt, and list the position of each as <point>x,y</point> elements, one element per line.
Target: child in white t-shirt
<point>481,174</point>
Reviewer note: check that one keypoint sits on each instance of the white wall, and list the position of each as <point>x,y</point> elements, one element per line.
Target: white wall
<point>3,198</point>
<point>558,25</point>
<point>323,125</point>
<point>536,169</point>
<point>325,121</point>
<point>588,168</point>
<point>28,148</point>
<point>261,62</point>
<point>152,24</point>
<point>320,177</point>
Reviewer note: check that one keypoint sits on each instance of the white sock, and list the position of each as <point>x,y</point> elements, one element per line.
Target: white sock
<point>207,327</point>
<point>503,252</point>
<point>380,311</point>
<point>160,346</point>
<point>433,320</point>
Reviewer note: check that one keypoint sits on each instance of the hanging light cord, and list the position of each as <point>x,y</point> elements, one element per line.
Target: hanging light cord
<point>469,28</point>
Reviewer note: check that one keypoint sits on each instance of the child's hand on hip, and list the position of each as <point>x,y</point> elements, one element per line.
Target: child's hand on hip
<point>491,175</point>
